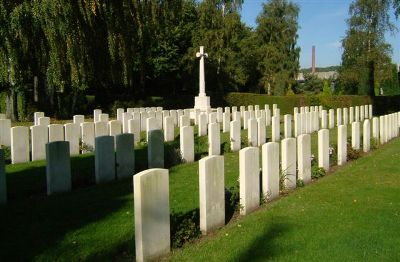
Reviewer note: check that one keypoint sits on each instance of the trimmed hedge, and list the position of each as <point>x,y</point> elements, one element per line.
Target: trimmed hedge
<point>286,103</point>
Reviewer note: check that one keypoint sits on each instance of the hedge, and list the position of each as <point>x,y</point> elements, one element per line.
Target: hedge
<point>286,103</point>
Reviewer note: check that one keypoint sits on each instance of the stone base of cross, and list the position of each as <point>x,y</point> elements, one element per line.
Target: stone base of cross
<point>202,102</point>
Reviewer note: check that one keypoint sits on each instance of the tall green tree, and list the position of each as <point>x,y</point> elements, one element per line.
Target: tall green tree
<point>277,27</point>
<point>366,55</point>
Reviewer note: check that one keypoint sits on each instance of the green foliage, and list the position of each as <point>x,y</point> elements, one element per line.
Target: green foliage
<point>312,84</point>
<point>300,183</point>
<point>184,228</point>
<point>366,61</point>
<point>172,155</point>
<point>317,172</point>
<point>352,154</point>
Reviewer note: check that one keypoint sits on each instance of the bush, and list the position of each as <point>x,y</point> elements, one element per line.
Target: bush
<point>184,228</point>
<point>317,172</point>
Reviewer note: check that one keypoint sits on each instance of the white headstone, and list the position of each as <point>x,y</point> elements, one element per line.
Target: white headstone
<point>169,129</point>
<point>338,117</point>
<point>375,128</point>
<point>276,134</point>
<point>366,136</point>
<point>19,144</point>
<point>72,135</point>
<point>87,132</point>
<point>249,177</point>
<point>289,162</point>
<point>56,133</point>
<point>246,117</point>
<point>261,131</point>
<point>151,124</point>
<point>39,139</point>
<point>79,119</point>
<point>304,157</point>
<point>187,143</point>
<point>100,129</point>
<point>134,128</point>
<point>214,140</point>
<point>115,127</point>
<point>226,122</point>
<point>252,132</point>
<point>212,193</point>
<point>5,132</point>
<point>152,214</point>
<point>43,121</point>
<point>288,126</point>
<point>297,124</point>
<point>184,121</point>
<point>323,149</point>
<point>351,115</point>
<point>96,115</point>
<point>331,118</point>
<point>36,116</point>
<point>235,135</point>
<point>324,119</point>
<point>202,124</point>
<point>270,170</point>
<point>355,135</point>
<point>342,145</point>
<point>120,113</point>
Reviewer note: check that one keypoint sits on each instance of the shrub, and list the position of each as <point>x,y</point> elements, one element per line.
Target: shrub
<point>317,172</point>
<point>300,183</point>
<point>172,155</point>
<point>184,228</point>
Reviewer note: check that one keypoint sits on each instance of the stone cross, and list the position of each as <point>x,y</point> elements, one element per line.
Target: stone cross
<point>202,82</point>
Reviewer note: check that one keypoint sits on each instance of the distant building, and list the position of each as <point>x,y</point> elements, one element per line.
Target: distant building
<point>321,75</point>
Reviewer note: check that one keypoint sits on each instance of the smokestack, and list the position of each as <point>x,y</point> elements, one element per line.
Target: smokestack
<point>313,60</point>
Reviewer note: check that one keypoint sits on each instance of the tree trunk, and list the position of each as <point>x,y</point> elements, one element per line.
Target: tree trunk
<point>371,78</point>
<point>11,105</point>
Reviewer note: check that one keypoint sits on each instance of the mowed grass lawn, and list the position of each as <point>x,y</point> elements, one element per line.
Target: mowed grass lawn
<point>350,215</point>
<point>96,222</point>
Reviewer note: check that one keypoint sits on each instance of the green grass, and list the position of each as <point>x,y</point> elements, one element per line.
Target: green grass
<point>94,222</point>
<point>351,215</point>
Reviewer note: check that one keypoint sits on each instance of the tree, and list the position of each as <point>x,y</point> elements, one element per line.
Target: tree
<point>277,27</point>
<point>366,54</point>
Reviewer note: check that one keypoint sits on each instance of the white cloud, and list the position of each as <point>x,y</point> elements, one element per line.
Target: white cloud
<point>336,44</point>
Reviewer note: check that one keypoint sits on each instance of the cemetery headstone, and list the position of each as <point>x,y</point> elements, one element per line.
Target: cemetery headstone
<point>58,167</point>
<point>125,155</point>
<point>104,159</point>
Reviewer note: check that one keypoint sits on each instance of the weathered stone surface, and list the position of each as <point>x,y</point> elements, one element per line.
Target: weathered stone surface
<point>19,144</point>
<point>345,116</point>
<point>214,139</point>
<point>5,132</point>
<point>270,170</point>
<point>43,121</point>
<point>103,118</point>
<point>87,131</point>
<point>355,135</point>
<point>261,131</point>
<point>375,128</point>
<point>252,132</point>
<point>96,115</point>
<point>114,128</point>
<point>304,157</point>
<point>297,124</point>
<point>39,139</point>
<point>79,119</point>
<point>3,178</point>
<point>288,126</point>
<point>212,193</point>
<point>155,149</point>
<point>72,135</point>
<point>331,118</point>
<point>235,138</point>
<point>125,155</point>
<point>202,124</point>
<point>104,159</point>
<point>366,136</point>
<point>58,167</point>
<point>339,117</point>
<point>276,133</point>
<point>125,122</point>
<point>134,128</point>
<point>226,119</point>
<point>323,149</point>
<point>249,177</point>
<point>342,145</point>
<point>120,113</point>
<point>56,132</point>
<point>152,214</point>
<point>101,129</point>
<point>184,121</point>
<point>288,159</point>
<point>36,116</point>
<point>187,143</point>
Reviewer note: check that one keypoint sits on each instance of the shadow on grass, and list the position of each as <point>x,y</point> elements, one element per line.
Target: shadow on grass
<point>30,227</point>
<point>263,247</point>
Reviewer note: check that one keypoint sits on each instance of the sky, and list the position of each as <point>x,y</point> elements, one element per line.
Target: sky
<point>323,24</point>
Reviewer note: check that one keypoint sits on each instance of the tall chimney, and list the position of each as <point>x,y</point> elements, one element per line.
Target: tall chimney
<point>313,60</point>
